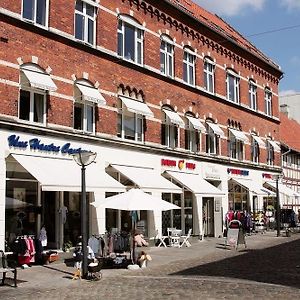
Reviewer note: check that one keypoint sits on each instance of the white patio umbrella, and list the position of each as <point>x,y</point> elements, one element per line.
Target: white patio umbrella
<point>132,200</point>
<point>135,199</point>
<point>14,203</point>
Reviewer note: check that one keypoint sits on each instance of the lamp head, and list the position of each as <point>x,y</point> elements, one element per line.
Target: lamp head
<point>84,158</point>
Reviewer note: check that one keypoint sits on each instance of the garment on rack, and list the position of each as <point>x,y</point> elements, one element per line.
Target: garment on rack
<point>43,236</point>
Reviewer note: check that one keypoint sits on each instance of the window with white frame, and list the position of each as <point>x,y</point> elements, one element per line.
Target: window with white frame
<point>36,11</point>
<point>255,151</point>
<point>189,59</point>
<point>252,95</point>
<point>270,154</point>
<point>268,102</point>
<point>84,110</point>
<point>85,22</point>
<point>212,141</point>
<point>35,83</point>
<point>192,135</point>
<point>130,124</point>
<point>169,130</point>
<point>166,56</point>
<point>32,105</point>
<point>233,86</point>
<point>209,75</point>
<point>130,39</point>
<point>235,147</point>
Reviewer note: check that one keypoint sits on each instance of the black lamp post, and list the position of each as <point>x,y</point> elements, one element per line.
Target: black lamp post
<point>277,177</point>
<point>84,159</point>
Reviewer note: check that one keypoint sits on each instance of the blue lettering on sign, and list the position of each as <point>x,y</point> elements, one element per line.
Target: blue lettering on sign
<point>37,145</point>
<point>14,141</point>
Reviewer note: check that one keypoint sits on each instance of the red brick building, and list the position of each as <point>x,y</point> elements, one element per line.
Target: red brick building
<point>161,90</point>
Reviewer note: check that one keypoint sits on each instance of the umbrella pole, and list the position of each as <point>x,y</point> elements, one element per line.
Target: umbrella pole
<point>133,242</point>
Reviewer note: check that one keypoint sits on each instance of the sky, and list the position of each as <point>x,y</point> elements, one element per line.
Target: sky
<point>273,26</point>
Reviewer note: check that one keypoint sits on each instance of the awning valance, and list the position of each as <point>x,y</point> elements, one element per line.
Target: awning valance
<point>196,123</point>
<point>216,129</point>
<point>147,179</point>
<point>260,142</point>
<point>195,183</point>
<point>136,106</point>
<point>39,80</point>
<point>239,135</point>
<point>90,93</point>
<point>55,174</point>
<point>174,117</point>
<point>253,186</point>
<point>283,189</point>
<point>274,145</point>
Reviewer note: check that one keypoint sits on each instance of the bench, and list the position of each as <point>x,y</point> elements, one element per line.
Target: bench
<point>5,268</point>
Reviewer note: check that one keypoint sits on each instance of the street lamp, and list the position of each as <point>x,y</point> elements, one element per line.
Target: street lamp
<point>84,159</point>
<point>277,177</point>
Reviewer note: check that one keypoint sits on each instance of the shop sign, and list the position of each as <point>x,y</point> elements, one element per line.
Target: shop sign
<point>181,164</point>
<point>267,175</point>
<point>212,173</point>
<point>36,144</point>
<point>238,172</point>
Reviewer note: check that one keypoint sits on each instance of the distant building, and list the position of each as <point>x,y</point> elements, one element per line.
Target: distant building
<point>290,104</point>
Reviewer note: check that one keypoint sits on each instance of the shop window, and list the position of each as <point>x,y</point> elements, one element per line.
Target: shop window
<point>85,21</point>
<point>268,102</point>
<point>212,141</point>
<point>166,56</point>
<point>130,39</point>
<point>233,86</point>
<point>238,197</point>
<point>252,95</point>
<point>189,59</point>
<point>130,124</point>
<point>235,147</point>
<point>36,11</point>
<point>209,75</point>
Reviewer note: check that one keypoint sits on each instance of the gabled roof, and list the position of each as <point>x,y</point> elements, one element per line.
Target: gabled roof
<point>289,132</point>
<point>218,25</point>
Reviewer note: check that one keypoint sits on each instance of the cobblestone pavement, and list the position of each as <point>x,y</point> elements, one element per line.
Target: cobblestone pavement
<point>269,268</point>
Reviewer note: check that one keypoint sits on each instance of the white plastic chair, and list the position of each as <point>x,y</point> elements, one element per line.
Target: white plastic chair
<point>186,239</point>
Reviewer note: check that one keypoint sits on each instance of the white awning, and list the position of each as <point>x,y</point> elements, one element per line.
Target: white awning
<point>174,117</point>
<point>239,135</point>
<point>90,93</point>
<point>148,179</point>
<point>136,106</point>
<point>216,129</point>
<point>274,145</point>
<point>55,174</point>
<point>260,142</point>
<point>196,123</point>
<point>195,183</point>
<point>253,186</point>
<point>39,80</point>
<point>283,189</point>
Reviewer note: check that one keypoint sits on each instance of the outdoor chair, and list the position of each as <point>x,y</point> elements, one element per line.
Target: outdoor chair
<point>159,239</point>
<point>186,239</point>
<point>5,268</point>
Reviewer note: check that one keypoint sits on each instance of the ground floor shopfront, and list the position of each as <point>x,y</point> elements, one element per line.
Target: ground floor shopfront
<point>40,185</point>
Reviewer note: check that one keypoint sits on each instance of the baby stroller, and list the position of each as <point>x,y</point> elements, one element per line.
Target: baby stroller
<point>94,270</point>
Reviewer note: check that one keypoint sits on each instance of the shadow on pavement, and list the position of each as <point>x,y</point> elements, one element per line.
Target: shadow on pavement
<point>276,265</point>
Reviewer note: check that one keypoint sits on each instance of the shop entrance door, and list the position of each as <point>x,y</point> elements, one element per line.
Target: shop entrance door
<point>208,216</point>
<point>49,217</point>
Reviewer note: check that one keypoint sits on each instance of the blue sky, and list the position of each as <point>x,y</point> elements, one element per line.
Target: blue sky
<point>251,17</point>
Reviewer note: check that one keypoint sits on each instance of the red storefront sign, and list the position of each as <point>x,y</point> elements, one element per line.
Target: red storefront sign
<point>181,164</point>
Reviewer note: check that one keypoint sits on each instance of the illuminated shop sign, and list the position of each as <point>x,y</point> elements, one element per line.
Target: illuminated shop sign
<point>238,172</point>
<point>14,141</point>
<point>266,175</point>
<point>181,164</point>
